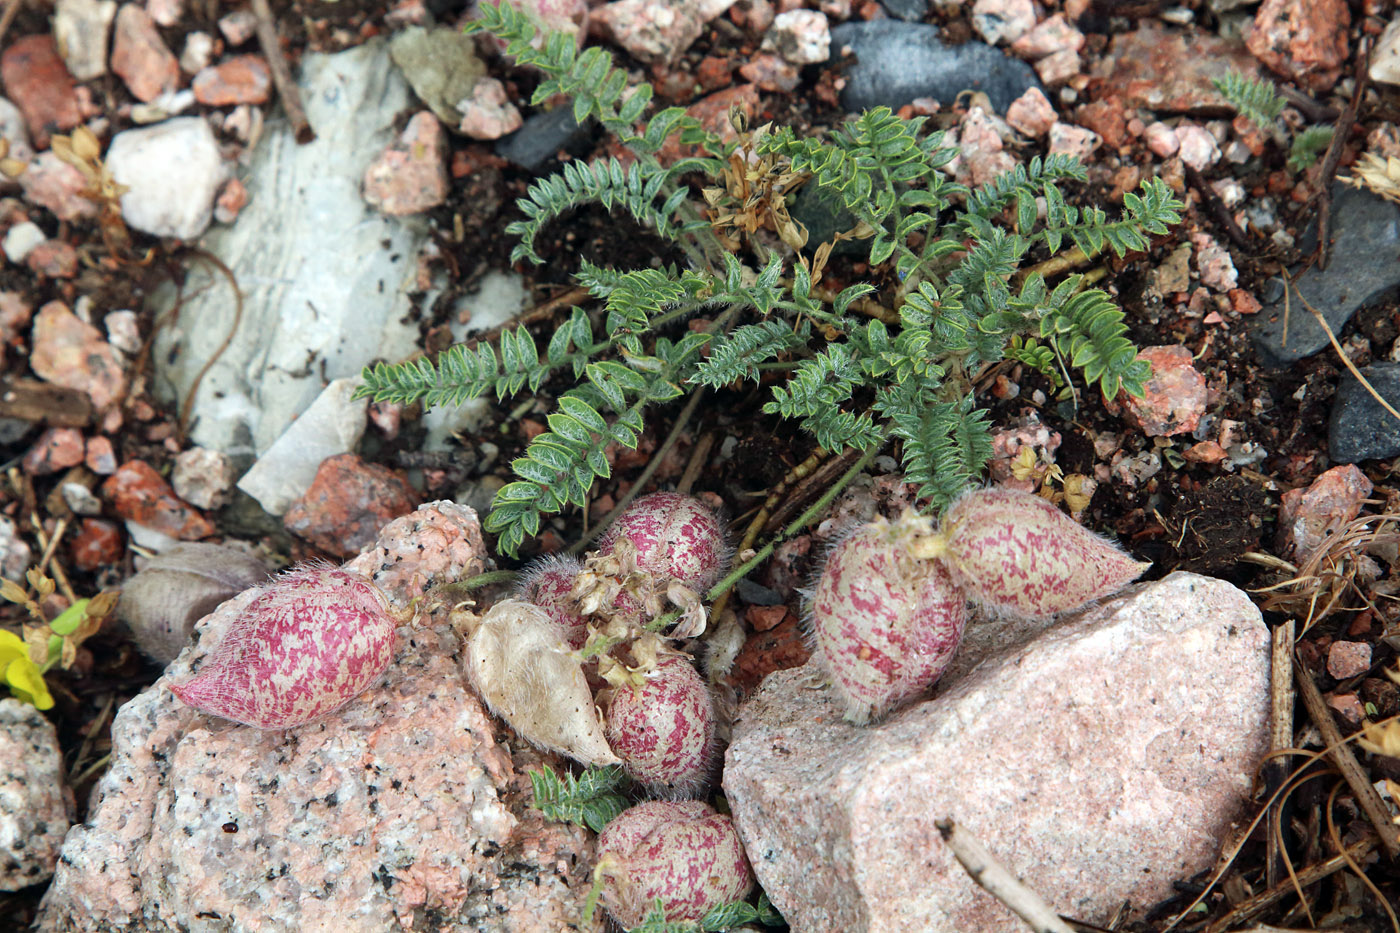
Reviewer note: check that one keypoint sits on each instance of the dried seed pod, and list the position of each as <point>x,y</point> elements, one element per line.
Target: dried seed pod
<point>1016,553</point>
<point>309,643</point>
<point>519,662</point>
<point>676,538</point>
<point>178,587</point>
<point>681,851</point>
<point>661,721</point>
<point>885,622</point>
<point>549,584</point>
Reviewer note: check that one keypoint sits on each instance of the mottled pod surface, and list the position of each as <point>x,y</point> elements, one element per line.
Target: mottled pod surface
<point>664,728</point>
<point>677,537</point>
<point>885,623</point>
<point>681,851</point>
<point>1017,553</point>
<point>307,644</point>
<point>549,584</point>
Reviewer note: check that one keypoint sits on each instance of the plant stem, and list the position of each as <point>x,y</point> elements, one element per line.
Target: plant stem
<point>812,511</point>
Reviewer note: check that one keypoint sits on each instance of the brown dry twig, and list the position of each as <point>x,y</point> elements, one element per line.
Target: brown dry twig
<point>1339,750</point>
<point>281,73</point>
<point>998,881</point>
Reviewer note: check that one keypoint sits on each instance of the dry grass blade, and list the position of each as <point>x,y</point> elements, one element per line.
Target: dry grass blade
<point>1314,589</point>
<point>1332,337</point>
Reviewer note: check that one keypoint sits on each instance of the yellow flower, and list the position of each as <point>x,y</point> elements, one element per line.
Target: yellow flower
<point>21,673</point>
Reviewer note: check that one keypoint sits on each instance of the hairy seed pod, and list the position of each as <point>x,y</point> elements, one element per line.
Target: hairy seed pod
<point>681,851</point>
<point>178,587</point>
<point>520,664</point>
<point>549,584</point>
<point>676,537</point>
<point>663,728</point>
<point>1016,553</point>
<point>885,622</point>
<point>310,642</point>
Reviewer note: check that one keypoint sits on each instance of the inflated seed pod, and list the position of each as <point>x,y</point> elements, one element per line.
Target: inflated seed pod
<point>681,851</point>
<point>310,642</point>
<point>661,723</point>
<point>519,662</point>
<point>1016,553</point>
<point>885,622</point>
<point>676,537</point>
<point>549,584</point>
<point>178,587</point>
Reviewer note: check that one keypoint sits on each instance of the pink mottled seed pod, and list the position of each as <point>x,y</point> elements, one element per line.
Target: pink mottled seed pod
<point>664,728</point>
<point>549,583</point>
<point>309,643</point>
<point>885,622</point>
<point>1016,553</point>
<point>681,851</point>
<point>677,538</point>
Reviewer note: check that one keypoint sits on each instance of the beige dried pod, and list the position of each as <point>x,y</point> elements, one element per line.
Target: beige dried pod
<point>180,586</point>
<point>521,665</point>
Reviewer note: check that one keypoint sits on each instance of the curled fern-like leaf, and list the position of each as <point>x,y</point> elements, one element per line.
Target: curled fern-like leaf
<point>635,189</point>
<point>1089,330</point>
<point>946,445</point>
<point>590,799</point>
<point>1256,99</point>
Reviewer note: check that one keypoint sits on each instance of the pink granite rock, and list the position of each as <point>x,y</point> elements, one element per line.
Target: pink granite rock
<point>411,175</point>
<point>1216,266</point>
<point>1174,398</point>
<point>1348,659</point>
<point>1309,517</point>
<point>36,805</point>
<point>1031,113</point>
<point>1165,69</point>
<point>652,30</point>
<point>488,113</point>
<point>54,184</point>
<point>1067,139</point>
<point>71,353</point>
<point>400,811</point>
<point>140,56</point>
<point>1084,755</point>
<point>1302,39</point>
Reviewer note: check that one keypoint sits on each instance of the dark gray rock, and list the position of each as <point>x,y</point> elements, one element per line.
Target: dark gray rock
<point>541,137</point>
<point>1360,428</point>
<point>900,61</point>
<point>1365,264</point>
<point>911,10</point>
<point>820,210</point>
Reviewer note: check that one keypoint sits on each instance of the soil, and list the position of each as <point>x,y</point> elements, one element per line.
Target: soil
<point>1188,516</point>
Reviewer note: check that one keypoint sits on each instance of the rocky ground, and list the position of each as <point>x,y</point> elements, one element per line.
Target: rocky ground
<point>178,365</point>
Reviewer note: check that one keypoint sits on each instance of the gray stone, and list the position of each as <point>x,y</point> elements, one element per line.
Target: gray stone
<point>900,61</point>
<point>1361,428</point>
<point>172,171</point>
<point>325,278</point>
<point>820,210</point>
<point>1365,264</point>
<point>36,805</point>
<point>1085,756</point>
<point>910,10</point>
<point>541,137</point>
<point>441,65</point>
<point>332,425</point>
